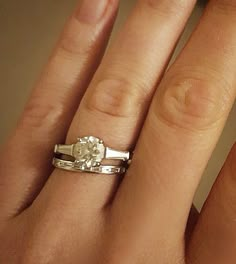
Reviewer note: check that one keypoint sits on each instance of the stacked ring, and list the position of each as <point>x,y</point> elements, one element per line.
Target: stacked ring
<point>88,153</point>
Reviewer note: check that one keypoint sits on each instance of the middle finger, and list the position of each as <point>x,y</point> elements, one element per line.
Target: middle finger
<point>185,120</point>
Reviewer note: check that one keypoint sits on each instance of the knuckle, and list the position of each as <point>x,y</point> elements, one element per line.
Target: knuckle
<point>37,114</point>
<point>40,252</point>
<point>225,6</point>
<point>169,7</point>
<point>191,103</point>
<point>77,39</point>
<point>113,97</point>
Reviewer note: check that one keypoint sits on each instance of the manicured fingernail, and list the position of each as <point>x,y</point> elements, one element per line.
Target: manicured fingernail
<point>91,11</point>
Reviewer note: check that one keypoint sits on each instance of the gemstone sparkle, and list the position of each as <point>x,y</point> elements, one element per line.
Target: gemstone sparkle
<point>89,152</point>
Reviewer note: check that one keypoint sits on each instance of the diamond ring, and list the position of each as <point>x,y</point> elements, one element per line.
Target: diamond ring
<point>89,152</point>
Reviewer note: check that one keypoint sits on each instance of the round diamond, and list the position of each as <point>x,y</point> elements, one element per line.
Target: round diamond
<point>89,152</point>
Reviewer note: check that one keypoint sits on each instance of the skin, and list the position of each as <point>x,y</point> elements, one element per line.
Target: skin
<point>171,119</point>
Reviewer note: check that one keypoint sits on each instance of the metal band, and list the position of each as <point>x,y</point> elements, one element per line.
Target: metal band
<point>102,169</point>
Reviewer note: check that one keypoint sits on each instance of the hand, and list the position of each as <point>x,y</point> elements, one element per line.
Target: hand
<point>172,121</point>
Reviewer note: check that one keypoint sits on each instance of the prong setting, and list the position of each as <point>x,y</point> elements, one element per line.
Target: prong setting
<point>89,152</point>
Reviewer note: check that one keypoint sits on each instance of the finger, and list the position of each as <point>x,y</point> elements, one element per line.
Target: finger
<point>183,125</point>
<point>214,238</point>
<point>116,102</point>
<point>26,159</point>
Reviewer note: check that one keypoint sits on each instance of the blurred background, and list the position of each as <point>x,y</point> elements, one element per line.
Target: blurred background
<point>29,30</point>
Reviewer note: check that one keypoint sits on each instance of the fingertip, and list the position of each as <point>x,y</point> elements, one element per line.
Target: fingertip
<point>93,11</point>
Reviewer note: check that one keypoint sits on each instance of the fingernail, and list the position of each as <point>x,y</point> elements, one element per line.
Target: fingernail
<point>91,11</point>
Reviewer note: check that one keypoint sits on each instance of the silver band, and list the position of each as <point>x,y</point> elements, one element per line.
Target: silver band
<point>102,169</point>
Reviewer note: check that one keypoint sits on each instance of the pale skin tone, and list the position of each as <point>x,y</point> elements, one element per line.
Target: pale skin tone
<point>172,121</point>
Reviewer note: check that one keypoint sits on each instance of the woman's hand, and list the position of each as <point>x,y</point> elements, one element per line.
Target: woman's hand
<point>171,120</point>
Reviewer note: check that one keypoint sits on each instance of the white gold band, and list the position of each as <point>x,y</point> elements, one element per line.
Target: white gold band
<point>102,169</point>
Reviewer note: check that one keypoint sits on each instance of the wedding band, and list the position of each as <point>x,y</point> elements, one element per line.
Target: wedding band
<point>88,153</point>
<point>102,169</point>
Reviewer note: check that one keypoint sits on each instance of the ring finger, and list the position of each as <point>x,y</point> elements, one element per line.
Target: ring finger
<point>115,103</point>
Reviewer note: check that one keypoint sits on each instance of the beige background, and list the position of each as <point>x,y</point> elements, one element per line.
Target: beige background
<point>29,30</point>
